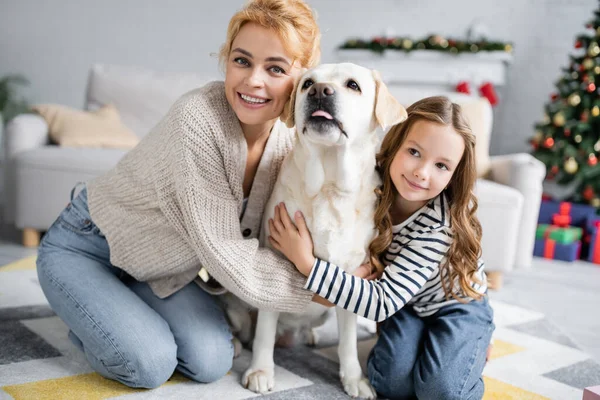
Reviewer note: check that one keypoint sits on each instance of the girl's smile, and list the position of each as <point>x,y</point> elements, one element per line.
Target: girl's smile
<point>413,185</point>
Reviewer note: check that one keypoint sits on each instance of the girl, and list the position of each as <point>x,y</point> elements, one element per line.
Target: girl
<point>432,294</point>
<point>119,263</point>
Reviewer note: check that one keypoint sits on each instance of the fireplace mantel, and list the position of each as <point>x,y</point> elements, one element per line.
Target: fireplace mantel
<point>433,69</point>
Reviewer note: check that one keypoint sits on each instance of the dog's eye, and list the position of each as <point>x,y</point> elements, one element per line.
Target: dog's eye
<point>353,85</point>
<point>307,83</point>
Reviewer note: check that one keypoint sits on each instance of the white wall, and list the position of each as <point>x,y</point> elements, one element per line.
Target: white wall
<point>54,42</point>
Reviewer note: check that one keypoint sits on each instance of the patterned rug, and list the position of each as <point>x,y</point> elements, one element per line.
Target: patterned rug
<point>532,359</point>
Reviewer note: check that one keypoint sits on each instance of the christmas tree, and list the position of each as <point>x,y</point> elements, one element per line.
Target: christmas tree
<point>568,139</point>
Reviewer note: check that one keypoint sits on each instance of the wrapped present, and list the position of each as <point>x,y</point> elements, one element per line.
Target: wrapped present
<point>558,234</point>
<point>557,243</point>
<point>592,223</point>
<point>554,212</point>
<point>591,393</point>
<point>549,248</point>
<point>594,246</point>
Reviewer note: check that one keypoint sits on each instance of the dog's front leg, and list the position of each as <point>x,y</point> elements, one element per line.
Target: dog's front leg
<point>355,382</point>
<point>260,377</point>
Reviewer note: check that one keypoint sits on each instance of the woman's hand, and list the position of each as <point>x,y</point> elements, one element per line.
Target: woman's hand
<point>293,241</point>
<point>365,271</point>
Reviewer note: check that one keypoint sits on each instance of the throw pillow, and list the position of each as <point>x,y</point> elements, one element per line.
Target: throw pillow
<point>70,127</point>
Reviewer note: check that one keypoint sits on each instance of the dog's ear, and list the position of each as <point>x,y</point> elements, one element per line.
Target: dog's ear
<point>288,114</point>
<point>388,111</point>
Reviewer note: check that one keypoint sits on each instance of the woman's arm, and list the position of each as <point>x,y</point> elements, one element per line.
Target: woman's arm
<point>209,220</point>
<point>377,299</point>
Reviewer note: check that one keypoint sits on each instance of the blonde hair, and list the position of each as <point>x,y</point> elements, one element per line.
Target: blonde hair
<point>465,250</point>
<point>292,20</point>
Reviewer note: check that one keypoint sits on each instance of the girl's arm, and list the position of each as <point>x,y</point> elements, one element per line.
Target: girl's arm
<point>364,272</point>
<point>377,299</point>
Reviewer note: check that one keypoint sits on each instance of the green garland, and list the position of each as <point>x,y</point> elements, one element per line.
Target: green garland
<point>433,42</point>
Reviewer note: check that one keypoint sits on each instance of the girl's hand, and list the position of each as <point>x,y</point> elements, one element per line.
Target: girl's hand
<point>293,241</point>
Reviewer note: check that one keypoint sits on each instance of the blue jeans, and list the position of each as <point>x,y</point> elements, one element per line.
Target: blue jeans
<point>126,332</point>
<point>437,357</point>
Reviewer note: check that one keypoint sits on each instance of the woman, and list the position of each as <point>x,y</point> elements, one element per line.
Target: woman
<point>118,264</point>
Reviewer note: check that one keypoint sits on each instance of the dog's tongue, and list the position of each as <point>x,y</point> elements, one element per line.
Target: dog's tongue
<point>321,113</point>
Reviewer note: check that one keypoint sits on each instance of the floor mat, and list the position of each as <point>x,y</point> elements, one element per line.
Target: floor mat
<point>531,359</point>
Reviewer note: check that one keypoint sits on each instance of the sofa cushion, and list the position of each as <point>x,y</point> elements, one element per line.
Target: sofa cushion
<point>141,96</point>
<point>74,128</point>
<point>81,160</point>
<point>46,175</point>
<point>476,110</point>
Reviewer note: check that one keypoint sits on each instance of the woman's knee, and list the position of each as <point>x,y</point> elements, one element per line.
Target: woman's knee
<point>147,368</point>
<point>209,361</point>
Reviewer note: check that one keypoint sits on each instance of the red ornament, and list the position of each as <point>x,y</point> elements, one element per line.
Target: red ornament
<point>585,116</point>
<point>554,169</point>
<point>591,87</point>
<point>588,193</point>
<point>549,142</point>
<point>378,39</point>
<point>463,87</point>
<point>592,160</point>
<point>488,91</point>
<point>578,44</point>
<point>554,96</point>
<point>567,132</point>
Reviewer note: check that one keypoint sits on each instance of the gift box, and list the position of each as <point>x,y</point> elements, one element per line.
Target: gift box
<point>594,244</point>
<point>578,214</point>
<point>549,248</point>
<point>591,393</point>
<point>557,243</point>
<point>560,235</point>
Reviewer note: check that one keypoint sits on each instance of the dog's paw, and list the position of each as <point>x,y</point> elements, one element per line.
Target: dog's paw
<point>359,387</point>
<point>259,380</point>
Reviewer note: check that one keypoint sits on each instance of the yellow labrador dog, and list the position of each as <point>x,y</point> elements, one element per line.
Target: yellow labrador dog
<point>330,176</point>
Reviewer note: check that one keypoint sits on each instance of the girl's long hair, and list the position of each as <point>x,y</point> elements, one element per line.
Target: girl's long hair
<point>461,261</point>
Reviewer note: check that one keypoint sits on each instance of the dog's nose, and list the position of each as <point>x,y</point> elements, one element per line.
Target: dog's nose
<point>321,90</point>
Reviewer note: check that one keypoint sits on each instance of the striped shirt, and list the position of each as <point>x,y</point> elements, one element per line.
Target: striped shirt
<point>412,273</point>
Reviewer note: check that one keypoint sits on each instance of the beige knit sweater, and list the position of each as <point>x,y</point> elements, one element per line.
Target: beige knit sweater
<point>173,204</point>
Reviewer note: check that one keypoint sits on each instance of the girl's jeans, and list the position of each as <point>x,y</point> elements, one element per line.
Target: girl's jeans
<point>126,332</point>
<point>437,357</point>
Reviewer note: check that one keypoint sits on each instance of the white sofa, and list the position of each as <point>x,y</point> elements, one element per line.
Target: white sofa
<point>39,175</point>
